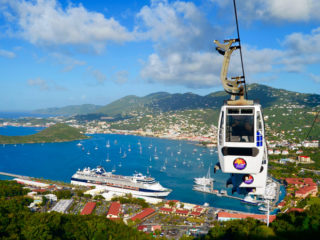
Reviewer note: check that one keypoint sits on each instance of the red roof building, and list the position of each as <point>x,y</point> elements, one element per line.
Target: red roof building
<point>195,214</point>
<point>88,208</point>
<point>182,212</point>
<point>306,191</point>
<point>295,210</point>
<point>225,216</point>
<point>281,204</point>
<point>166,210</point>
<point>144,214</point>
<point>114,210</point>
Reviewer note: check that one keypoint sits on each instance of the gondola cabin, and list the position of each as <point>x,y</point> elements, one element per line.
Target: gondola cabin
<point>241,138</point>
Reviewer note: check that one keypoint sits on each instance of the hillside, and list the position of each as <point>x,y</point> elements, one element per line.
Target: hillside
<point>165,102</point>
<point>56,133</point>
<point>69,110</point>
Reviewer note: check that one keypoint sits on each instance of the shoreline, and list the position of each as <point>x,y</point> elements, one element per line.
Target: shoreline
<point>50,182</point>
<point>196,140</point>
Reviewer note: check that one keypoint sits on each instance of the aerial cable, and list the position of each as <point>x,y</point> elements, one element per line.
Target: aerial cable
<point>314,121</point>
<point>236,16</point>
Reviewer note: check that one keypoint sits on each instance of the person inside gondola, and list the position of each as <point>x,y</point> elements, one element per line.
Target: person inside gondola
<point>241,129</point>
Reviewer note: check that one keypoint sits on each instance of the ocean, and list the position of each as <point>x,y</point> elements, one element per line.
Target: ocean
<point>15,115</point>
<point>128,154</point>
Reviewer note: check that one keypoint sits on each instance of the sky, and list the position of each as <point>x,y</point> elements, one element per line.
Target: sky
<point>56,53</point>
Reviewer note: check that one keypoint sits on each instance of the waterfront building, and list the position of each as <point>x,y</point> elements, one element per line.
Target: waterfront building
<point>165,210</point>
<point>62,206</point>
<point>144,214</point>
<point>88,208</point>
<point>114,210</point>
<point>226,216</point>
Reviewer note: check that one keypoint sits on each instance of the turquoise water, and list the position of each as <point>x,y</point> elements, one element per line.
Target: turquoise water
<point>59,161</point>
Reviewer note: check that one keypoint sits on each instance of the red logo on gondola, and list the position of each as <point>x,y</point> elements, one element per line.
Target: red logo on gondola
<point>248,179</point>
<point>239,163</point>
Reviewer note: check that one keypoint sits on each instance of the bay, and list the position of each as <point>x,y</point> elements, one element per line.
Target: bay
<point>183,160</point>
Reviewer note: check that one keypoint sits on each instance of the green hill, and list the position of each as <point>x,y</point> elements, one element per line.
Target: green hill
<point>69,110</point>
<point>165,102</point>
<point>56,133</point>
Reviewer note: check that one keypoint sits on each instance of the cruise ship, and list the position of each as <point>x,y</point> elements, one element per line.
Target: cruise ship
<point>137,184</point>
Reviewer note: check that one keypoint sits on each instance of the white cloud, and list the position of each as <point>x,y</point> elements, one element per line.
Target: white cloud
<point>98,75</point>
<point>182,41</point>
<point>45,22</point>
<point>45,85</point>
<point>194,70</point>
<point>275,10</point>
<point>7,54</point>
<point>38,82</point>
<point>314,77</point>
<point>121,77</point>
<point>68,62</point>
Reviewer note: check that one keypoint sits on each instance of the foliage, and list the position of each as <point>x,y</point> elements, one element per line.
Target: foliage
<point>63,194</point>
<point>130,199</point>
<point>57,133</point>
<point>11,189</point>
<point>294,225</point>
<point>18,222</point>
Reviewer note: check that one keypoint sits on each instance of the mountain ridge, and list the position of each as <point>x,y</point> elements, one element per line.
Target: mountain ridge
<point>163,102</point>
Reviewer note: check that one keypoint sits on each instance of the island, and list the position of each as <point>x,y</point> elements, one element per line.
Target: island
<point>59,132</point>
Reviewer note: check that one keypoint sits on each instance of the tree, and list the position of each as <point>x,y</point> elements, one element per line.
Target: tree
<point>172,203</point>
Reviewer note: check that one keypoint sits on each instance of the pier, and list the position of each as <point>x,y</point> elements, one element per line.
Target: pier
<point>216,193</point>
<point>13,175</point>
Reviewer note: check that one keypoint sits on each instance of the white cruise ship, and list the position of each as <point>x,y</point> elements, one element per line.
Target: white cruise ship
<point>137,184</point>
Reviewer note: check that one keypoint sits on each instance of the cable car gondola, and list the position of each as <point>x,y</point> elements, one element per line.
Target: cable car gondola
<point>241,143</point>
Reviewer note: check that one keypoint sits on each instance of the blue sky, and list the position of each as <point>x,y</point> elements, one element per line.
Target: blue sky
<point>56,53</point>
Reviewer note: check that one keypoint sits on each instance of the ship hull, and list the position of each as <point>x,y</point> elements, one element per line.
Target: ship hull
<point>140,192</point>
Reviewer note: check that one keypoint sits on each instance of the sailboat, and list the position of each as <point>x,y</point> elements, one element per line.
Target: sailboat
<point>163,168</point>
<point>124,155</point>
<point>108,160</point>
<point>206,180</point>
<point>155,154</point>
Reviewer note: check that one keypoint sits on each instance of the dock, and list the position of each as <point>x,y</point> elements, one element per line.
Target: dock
<point>214,192</point>
<point>13,175</point>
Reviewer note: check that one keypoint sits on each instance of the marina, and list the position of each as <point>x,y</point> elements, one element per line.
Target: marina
<point>59,161</point>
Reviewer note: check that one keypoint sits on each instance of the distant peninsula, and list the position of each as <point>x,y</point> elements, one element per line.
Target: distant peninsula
<point>57,133</point>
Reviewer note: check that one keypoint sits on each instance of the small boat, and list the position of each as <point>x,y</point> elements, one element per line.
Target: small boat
<point>108,144</point>
<point>124,155</point>
<point>120,165</point>
<point>263,209</point>
<point>96,148</point>
<point>206,180</point>
<point>129,148</point>
<point>249,200</point>
<point>88,153</point>
<point>79,144</point>
<point>108,160</point>
<point>163,168</point>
